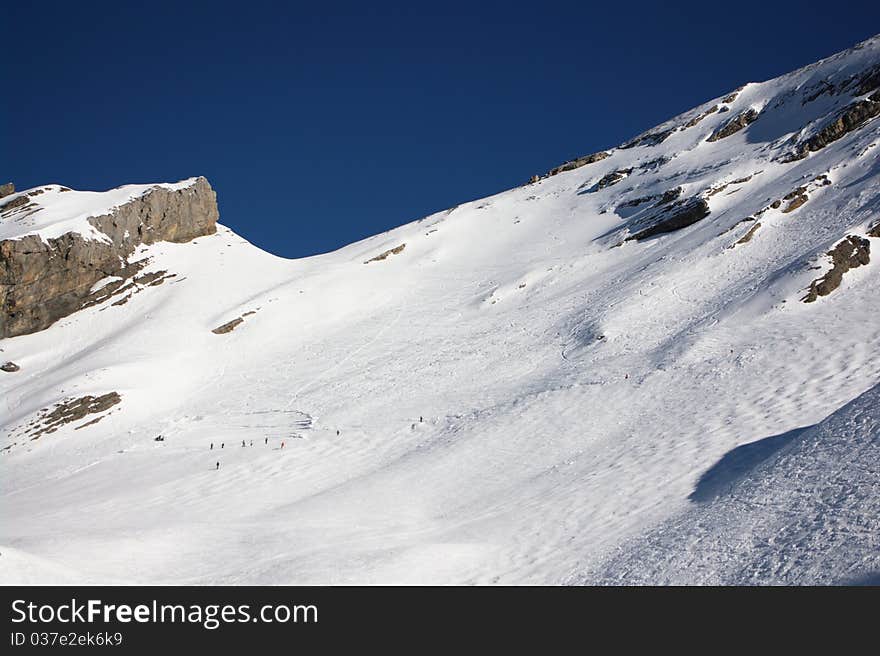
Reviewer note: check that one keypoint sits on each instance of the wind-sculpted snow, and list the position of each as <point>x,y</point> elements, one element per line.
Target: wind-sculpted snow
<point>570,381</point>
<point>809,513</point>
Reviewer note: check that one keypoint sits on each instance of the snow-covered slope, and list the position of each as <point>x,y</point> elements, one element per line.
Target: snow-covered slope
<point>533,387</point>
<point>797,508</point>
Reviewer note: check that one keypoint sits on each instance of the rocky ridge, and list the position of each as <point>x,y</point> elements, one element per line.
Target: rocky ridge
<point>45,279</point>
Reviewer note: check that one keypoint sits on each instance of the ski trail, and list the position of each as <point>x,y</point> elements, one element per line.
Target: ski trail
<point>348,357</point>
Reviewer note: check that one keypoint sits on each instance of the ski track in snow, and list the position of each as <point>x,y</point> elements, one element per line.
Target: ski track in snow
<point>575,392</point>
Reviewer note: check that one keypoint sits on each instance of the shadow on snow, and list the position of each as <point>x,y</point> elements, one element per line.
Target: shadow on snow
<point>739,463</point>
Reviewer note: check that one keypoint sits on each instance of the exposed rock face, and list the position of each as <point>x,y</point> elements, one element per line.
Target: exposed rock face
<point>850,118</point>
<point>43,281</point>
<point>875,231</point>
<point>700,117</point>
<point>729,98</point>
<point>71,410</point>
<point>722,187</point>
<point>795,199</point>
<point>611,179</point>
<point>674,217</point>
<point>851,253</point>
<point>860,84</point>
<point>579,162</point>
<point>734,125</point>
<point>658,199</point>
<point>7,189</point>
<point>228,327</point>
<point>15,202</point>
<point>649,138</point>
<point>746,238</point>
<point>654,164</point>
<point>821,88</point>
<point>9,367</point>
<point>391,251</point>
<point>868,80</point>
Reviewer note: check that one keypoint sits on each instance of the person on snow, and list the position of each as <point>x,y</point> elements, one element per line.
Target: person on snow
<point>218,464</point>
<point>282,445</point>
<point>267,441</point>
<point>212,446</point>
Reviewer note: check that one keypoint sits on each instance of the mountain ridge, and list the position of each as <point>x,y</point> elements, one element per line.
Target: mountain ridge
<point>511,390</point>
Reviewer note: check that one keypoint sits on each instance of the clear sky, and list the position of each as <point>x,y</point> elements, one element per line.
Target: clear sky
<point>322,123</point>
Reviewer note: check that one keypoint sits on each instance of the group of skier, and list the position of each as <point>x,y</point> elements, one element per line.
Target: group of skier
<point>244,444</point>
<point>266,441</point>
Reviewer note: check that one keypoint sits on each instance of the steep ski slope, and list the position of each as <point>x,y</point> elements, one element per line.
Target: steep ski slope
<point>577,377</point>
<point>808,514</point>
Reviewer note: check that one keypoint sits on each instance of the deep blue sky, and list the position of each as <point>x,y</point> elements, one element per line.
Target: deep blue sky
<point>322,123</point>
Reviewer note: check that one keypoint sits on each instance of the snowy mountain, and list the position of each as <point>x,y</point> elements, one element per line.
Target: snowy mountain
<point>658,363</point>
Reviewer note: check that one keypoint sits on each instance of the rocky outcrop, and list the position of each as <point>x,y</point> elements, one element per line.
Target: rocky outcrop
<point>820,88</point>
<point>123,287</point>
<point>746,238</point>
<point>868,80</point>
<point>875,231</point>
<point>658,199</point>
<point>391,251</point>
<point>851,253</point>
<point>859,84</point>
<point>71,410</point>
<point>734,125</point>
<point>43,281</point>
<point>795,199</point>
<point>729,98</point>
<point>7,189</point>
<point>722,187</point>
<point>700,117</point>
<point>674,217</point>
<point>652,138</point>
<point>579,162</point>
<point>9,367</point>
<point>228,327</point>
<point>610,179</point>
<point>18,201</point>
<point>852,117</point>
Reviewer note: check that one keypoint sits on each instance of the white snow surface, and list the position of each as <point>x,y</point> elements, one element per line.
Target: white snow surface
<point>813,491</point>
<point>592,413</point>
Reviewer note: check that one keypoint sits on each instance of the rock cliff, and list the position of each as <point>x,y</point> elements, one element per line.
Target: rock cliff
<point>44,279</point>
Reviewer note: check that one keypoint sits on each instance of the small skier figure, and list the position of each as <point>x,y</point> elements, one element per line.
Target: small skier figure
<point>242,442</point>
<point>222,444</point>
<point>212,446</point>
<point>337,432</point>
<point>252,442</point>
<point>218,464</point>
<point>267,441</point>
<point>282,445</point>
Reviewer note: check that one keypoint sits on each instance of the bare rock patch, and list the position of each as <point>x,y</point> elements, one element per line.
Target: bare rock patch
<point>734,125</point>
<point>385,255</point>
<point>850,253</point>
<point>71,410</point>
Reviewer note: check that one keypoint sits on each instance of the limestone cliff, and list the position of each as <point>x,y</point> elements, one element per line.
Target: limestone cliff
<point>44,279</point>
